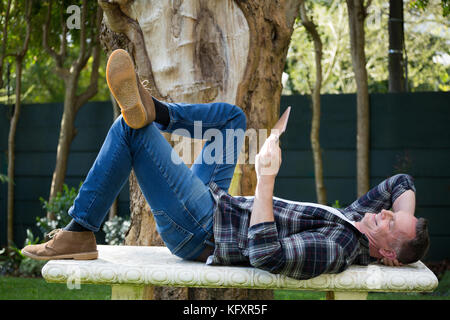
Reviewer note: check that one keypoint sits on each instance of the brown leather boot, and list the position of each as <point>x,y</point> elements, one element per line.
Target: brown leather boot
<point>134,100</point>
<point>64,245</point>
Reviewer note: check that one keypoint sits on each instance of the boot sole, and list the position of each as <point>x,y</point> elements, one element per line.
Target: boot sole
<point>74,256</point>
<point>121,79</point>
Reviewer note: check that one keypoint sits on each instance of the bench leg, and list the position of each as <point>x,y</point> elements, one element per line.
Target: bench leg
<point>346,295</point>
<point>126,292</point>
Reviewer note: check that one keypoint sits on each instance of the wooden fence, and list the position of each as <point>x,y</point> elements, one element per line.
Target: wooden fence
<point>409,134</point>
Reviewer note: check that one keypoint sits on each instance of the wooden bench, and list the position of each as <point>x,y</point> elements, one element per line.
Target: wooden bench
<point>133,271</point>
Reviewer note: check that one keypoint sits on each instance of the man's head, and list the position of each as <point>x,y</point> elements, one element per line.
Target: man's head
<point>397,235</point>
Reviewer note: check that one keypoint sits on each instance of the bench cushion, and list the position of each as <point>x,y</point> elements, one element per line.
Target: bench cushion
<point>132,265</point>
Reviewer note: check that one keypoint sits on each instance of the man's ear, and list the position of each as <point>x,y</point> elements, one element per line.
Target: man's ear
<point>387,253</point>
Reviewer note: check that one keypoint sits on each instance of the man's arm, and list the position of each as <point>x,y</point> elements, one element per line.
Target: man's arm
<point>267,164</point>
<point>263,204</point>
<point>386,195</point>
<point>266,250</point>
<point>405,202</point>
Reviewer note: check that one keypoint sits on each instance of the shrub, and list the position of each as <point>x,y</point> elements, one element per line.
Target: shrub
<point>16,264</point>
<point>336,204</point>
<point>30,267</point>
<point>59,207</point>
<point>12,261</point>
<point>3,178</point>
<point>115,229</point>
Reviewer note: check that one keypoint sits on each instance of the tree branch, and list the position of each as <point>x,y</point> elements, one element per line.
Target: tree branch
<point>83,55</point>
<point>311,28</point>
<point>28,7</point>
<point>365,7</point>
<point>93,32</point>
<point>64,73</point>
<point>46,27</point>
<point>328,72</point>
<point>5,37</point>
<point>93,85</point>
<point>63,44</point>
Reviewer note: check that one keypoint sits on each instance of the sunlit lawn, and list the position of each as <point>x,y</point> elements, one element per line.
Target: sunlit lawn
<point>12,288</point>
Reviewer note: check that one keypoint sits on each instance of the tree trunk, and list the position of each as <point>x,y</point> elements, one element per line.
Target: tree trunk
<point>11,150</point>
<point>89,47</point>
<point>270,26</point>
<point>356,16</point>
<point>19,57</point>
<point>396,40</point>
<point>311,28</point>
<point>204,51</point>
<point>67,133</point>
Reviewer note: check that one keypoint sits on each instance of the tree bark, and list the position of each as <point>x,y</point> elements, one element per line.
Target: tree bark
<point>204,51</point>
<point>270,26</point>
<point>11,151</point>
<point>67,133</point>
<point>311,28</point>
<point>19,57</point>
<point>396,40</point>
<point>357,13</point>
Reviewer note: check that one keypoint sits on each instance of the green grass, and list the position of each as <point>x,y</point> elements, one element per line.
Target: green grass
<point>12,288</point>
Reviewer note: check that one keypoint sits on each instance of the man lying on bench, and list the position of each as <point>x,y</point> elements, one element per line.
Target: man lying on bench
<point>196,217</point>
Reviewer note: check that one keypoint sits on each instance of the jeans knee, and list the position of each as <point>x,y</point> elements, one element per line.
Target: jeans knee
<point>240,118</point>
<point>119,122</point>
<point>119,126</point>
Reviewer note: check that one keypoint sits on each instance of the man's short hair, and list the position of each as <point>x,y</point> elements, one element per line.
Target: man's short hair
<point>414,250</point>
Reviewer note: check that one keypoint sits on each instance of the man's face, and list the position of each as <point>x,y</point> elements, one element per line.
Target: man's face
<point>385,229</point>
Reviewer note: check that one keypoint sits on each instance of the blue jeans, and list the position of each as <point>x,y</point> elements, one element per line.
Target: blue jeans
<point>180,198</point>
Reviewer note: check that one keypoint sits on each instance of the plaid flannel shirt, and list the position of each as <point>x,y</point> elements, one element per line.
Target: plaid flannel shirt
<point>304,241</point>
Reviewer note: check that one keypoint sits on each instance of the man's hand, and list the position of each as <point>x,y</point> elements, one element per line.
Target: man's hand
<point>390,262</point>
<point>268,160</point>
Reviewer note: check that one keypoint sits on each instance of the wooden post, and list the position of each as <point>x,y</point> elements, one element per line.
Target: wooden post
<point>346,295</point>
<point>129,292</point>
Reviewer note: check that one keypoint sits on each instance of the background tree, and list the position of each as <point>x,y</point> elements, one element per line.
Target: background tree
<point>337,75</point>
<point>423,4</point>
<point>204,51</point>
<point>357,12</point>
<point>5,10</point>
<point>69,71</point>
<point>21,16</point>
<point>396,42</point>
<point>426,33</point>
<point>311,28</point>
